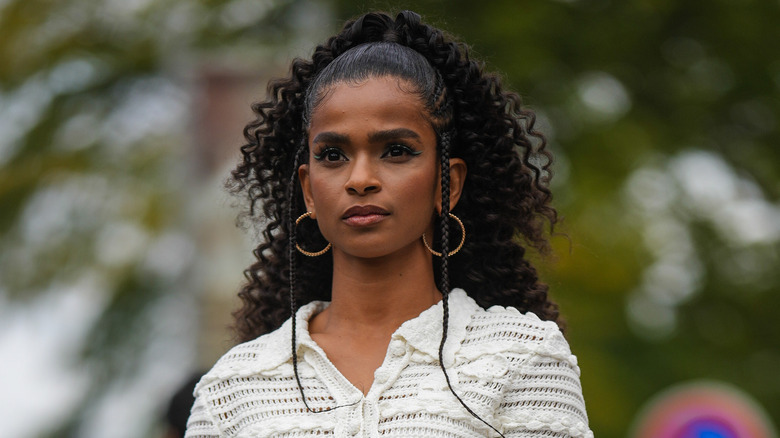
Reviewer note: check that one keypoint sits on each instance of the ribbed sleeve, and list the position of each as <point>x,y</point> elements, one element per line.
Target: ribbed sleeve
<point>544,396</point>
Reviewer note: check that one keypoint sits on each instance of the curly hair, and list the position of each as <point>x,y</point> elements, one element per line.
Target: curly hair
<point>505,204</point>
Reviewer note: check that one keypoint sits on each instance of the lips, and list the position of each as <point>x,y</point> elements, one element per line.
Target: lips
<point>363,215</point>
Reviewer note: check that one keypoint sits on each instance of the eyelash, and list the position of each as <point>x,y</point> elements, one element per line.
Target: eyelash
<point>328,150</point>
<point>325,151</point>
<point>404,148</point>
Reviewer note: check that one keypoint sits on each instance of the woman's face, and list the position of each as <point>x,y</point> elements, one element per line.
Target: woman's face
<point>372,180</point>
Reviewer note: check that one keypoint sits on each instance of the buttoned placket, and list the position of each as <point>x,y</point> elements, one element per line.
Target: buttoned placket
<point>358,415</point>
<point>397,357</point>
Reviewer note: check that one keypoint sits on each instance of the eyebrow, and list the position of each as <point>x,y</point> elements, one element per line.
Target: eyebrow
<point>375,137</point>
<point>391,134</point>
<point>330,137</point>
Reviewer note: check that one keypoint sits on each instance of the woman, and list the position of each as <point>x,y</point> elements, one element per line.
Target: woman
<point>357,160</point>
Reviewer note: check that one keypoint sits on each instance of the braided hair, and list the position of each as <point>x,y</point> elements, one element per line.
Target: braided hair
<point>505,204</point>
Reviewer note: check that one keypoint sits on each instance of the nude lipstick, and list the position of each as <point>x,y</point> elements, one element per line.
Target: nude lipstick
<point>364,215</point>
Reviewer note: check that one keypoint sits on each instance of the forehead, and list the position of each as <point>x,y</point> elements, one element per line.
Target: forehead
<point>380,94</point>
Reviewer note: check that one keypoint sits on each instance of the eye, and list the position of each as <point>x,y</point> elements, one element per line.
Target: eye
<point>399,151</point>
<point>331,155</point>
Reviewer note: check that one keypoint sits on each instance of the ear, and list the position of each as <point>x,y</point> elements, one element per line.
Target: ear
<point>303,177</point>
<point>458,172</point>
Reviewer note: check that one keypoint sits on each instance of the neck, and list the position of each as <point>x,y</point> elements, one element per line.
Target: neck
<point>380,294</point>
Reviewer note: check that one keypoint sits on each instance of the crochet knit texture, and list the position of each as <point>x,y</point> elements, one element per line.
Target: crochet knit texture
<point>512,369</point>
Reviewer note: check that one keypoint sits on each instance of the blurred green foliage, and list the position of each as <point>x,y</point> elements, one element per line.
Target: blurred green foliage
<point>97,164</point>
<point>663,116</point>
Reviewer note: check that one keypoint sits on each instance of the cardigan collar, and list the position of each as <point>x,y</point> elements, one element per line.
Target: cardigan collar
<point>423,332</point>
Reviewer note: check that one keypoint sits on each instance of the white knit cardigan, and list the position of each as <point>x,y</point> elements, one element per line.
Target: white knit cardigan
<point>514,370</point>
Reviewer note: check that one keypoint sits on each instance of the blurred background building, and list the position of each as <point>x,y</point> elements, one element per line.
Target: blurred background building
<point>120,259</point>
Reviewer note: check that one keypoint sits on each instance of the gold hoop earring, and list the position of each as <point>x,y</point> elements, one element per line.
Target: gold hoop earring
<point>303,251</point>
<point>460,245</point>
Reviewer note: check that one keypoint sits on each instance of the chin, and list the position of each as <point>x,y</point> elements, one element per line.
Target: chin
<point>380,252</point>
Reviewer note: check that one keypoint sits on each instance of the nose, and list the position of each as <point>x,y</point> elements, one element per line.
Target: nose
<point>363,178</point>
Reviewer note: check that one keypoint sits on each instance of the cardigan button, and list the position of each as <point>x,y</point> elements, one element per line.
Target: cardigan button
<point>397,348</point>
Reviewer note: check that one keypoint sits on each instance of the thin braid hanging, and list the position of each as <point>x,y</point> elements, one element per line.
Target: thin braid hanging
<point>293,261</point>
<point>293,264</point>
<point>444,286</point>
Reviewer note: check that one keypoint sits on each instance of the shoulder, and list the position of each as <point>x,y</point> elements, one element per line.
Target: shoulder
<point>500,329</point>
<point>259,356</point>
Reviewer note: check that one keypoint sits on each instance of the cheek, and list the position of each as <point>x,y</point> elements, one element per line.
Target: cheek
<point>421,189</point>
<point>323,190</point>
